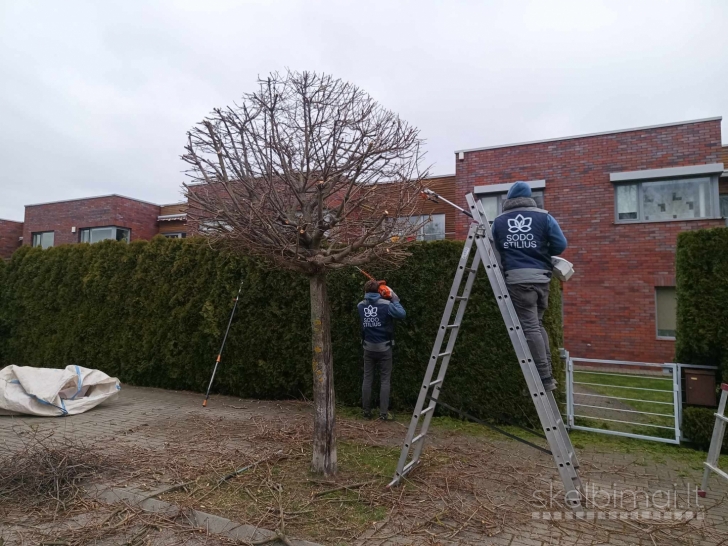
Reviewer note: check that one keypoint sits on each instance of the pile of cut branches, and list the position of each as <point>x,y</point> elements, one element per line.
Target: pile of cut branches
<point>46,471</point>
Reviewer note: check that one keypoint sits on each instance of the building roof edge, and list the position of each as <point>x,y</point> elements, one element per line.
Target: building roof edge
<point>93,197</point>
<point>602,133</point>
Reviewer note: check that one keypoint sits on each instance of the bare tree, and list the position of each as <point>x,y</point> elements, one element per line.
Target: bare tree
<point>311,174</point>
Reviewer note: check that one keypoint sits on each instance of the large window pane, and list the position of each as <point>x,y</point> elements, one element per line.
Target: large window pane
<point>44,239</point>
<point>666,301</point>
<point>538,197</point>
<point>101,234</point>
<point>490,205</point>
<point>94,235</point>
<point>724,207</point>
<point>676,199</point>
<point>627,202</point>
<point>122,234</point>
<point>435,229</point>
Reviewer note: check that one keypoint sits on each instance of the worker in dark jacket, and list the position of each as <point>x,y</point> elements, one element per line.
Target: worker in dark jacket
<point>527,237</point>
<point>377,329</point>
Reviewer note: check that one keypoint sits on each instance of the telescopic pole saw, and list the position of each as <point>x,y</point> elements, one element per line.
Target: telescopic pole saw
<point>436,198</point>
<point>224,339</point>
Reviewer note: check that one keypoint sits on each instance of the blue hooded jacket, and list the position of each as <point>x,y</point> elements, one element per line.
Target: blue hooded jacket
<point>377,316</point>
<point>526,238</point>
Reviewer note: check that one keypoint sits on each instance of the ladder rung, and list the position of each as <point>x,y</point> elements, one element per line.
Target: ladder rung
<point>408,467</point>
<point>417,439</point>
<point>428,409</point>
<point>461,298</point>
<point>443,354</point>
<point>451,326</point>
<point>469,269</point>
<point>435,382</point>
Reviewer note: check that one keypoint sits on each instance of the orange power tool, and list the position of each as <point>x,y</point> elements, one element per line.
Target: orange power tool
<point>384,290</point>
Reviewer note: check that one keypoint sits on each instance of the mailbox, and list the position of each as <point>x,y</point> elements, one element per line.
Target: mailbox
<point>700,387</point>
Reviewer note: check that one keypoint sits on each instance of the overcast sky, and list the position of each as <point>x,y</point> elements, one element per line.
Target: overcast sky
<point>95,97</point>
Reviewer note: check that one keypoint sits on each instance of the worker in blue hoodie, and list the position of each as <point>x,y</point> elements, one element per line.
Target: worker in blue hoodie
<point>527,237</point>
<point>377,316</point>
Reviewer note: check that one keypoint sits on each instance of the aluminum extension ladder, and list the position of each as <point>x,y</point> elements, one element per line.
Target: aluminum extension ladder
<point>716,442</point>
<point>480,238</point>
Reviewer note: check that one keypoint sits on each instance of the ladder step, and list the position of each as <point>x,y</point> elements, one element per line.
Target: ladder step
<point>435,382</point>
<point>408,467</point>
<point>444,354</point>
<point>428,409</point>
<point>461,298</point>
<point>452,326</point>
<point>417,439</point>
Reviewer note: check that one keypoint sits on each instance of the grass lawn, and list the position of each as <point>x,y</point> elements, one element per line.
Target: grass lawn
<point>651,395</point>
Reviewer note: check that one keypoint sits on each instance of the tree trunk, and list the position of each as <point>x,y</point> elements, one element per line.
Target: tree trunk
<point>324,424</point>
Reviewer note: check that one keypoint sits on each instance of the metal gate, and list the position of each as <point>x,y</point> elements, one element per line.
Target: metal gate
<point>633,399</point>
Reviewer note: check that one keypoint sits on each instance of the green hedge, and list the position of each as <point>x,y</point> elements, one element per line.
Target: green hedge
<point>152,313</point>
<point>702,298</point>
<point>698,426</point>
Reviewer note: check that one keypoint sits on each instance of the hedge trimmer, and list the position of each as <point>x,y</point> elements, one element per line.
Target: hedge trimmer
<point>383,290</point>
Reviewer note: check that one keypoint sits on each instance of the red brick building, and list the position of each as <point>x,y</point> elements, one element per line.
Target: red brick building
<point>11,237</point>
<point>621,198</point>
<point>91,220</point>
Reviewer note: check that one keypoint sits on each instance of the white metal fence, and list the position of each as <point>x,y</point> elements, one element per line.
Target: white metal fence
<point>633,399</point>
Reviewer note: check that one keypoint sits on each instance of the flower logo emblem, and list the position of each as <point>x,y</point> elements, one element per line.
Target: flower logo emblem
<point>519,223</point>
<point>370,311</point>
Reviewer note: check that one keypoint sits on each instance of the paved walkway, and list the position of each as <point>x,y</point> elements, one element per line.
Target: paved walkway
<point>152,418</point>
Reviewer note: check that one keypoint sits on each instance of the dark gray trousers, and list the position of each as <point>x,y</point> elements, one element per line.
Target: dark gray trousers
<point>384,361</point>
<point>531,302</point>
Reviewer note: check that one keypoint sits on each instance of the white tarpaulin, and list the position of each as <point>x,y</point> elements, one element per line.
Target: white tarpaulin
<point>50,392</point>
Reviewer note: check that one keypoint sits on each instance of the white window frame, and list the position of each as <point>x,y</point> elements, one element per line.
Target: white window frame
<point>40,234</point>
<point>175,235</point>
<point>711,171</point>
<point>113,237</point>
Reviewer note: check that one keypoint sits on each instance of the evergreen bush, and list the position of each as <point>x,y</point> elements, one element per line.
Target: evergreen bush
<point>702,298</point>
<point>698,424</point>
<point>153,314</point>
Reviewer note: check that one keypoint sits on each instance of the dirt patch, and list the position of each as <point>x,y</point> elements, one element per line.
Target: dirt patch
<point>471,485</point>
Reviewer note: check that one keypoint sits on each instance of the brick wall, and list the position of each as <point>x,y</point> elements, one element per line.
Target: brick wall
<point>112,210</point>
<point>609,304</point>
<point>10,234</point>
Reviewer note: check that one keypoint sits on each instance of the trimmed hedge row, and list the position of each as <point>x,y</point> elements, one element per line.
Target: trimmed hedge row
<point>702,298</point>
<point>153,313</point>
<point>698,424</point>
<point>702,315</point>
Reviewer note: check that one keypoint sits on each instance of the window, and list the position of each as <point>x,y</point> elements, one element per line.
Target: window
<point>212,226</point>
<point>666,311</point>
<point>180,235</point>
<point>94,235</point>
<point>44,239</point>
<point>493,203</point>
<point>433,230</point>
<point>724,207</point>
<point>665,200</point>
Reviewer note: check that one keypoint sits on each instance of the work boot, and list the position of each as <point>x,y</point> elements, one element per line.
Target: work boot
<point>389,416</point>
<point>549,384</point>
<point>366,414</point>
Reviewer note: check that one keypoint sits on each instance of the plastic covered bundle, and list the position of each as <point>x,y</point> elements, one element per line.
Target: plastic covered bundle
<point>49,392</point>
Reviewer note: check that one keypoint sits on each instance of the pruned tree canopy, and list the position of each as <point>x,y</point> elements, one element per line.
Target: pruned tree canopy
<point>309,172</point>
